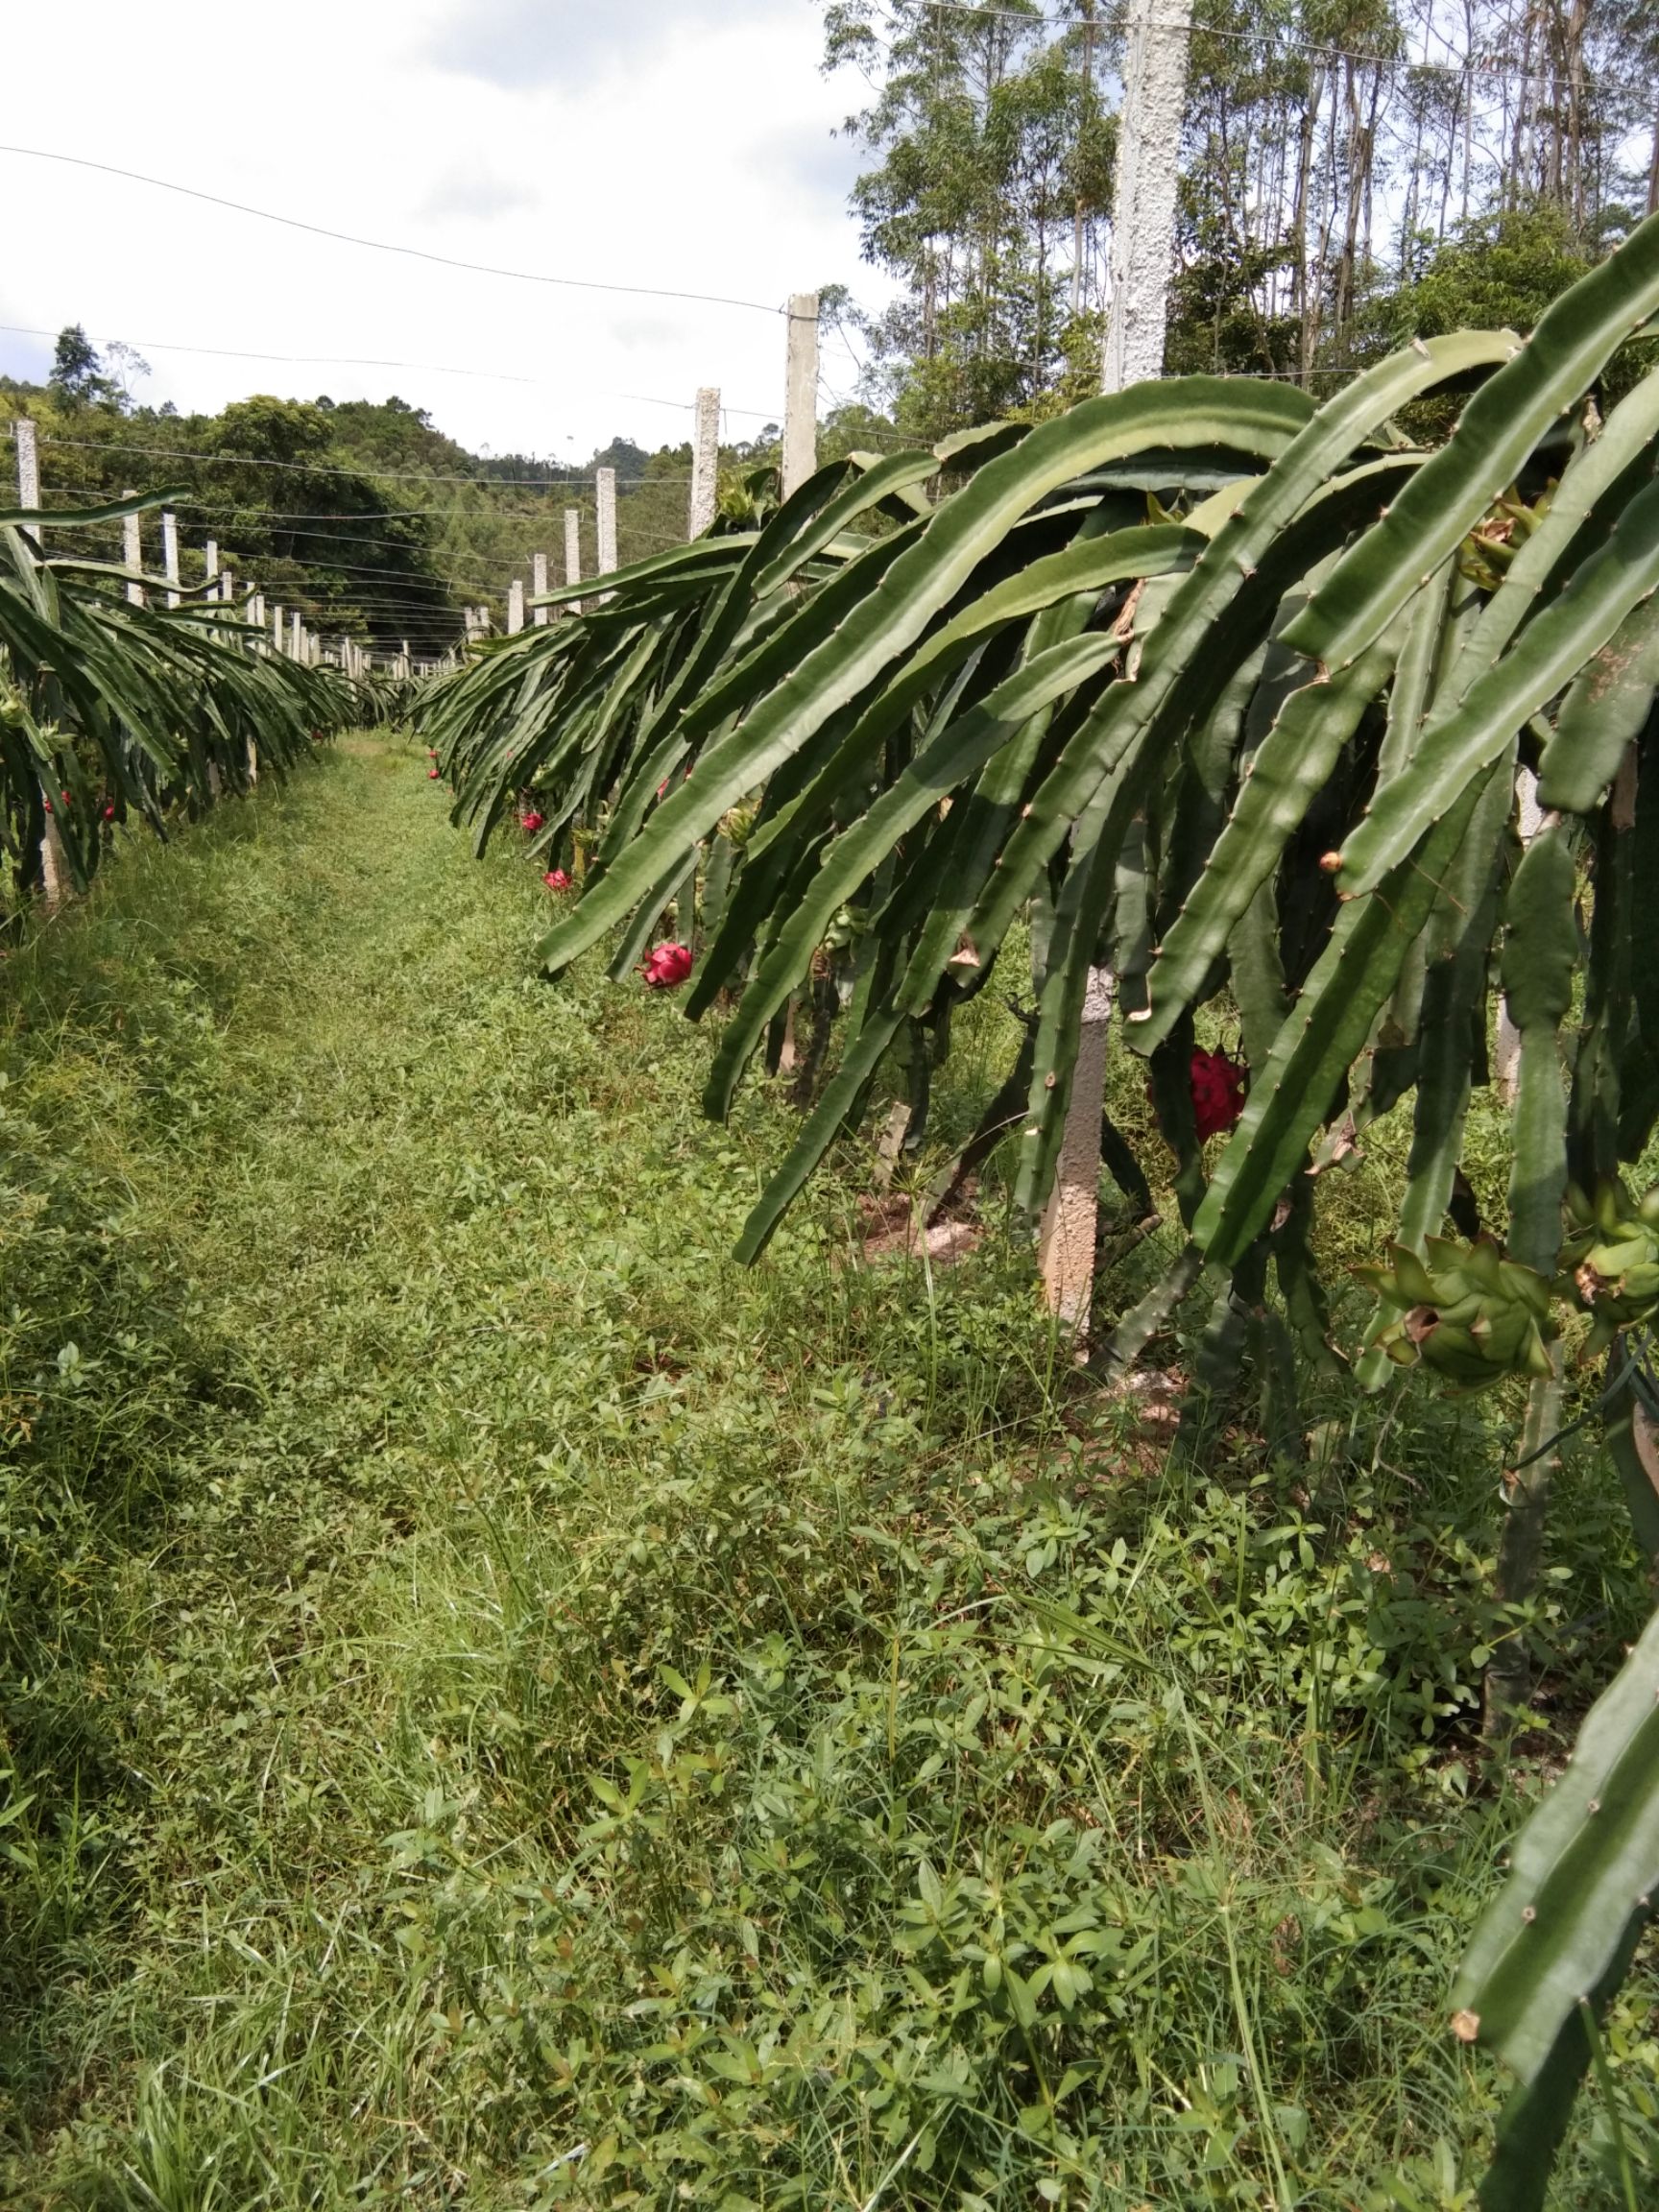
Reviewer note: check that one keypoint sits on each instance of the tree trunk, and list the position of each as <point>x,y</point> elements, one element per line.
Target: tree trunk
<point>1575,23</point>
<point>1301,302</point>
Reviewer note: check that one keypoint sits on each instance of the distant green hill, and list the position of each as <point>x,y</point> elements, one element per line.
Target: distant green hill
<point>362,516</point>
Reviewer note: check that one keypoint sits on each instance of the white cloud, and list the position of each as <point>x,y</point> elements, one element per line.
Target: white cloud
<point>520,45</point>
<point>476,194</point>
<point>685,145</point>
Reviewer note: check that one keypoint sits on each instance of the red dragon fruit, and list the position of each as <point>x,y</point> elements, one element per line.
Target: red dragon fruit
<point>1217,1085</point>
<point>556,880</point>
<point>666,967</point>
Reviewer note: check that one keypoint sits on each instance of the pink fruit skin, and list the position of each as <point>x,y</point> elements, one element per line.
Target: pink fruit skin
<point>666,967</point>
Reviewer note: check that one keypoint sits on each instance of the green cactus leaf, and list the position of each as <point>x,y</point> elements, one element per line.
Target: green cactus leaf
<point>1499,428</point>
<point>1319,1042</point>
<point>1547,656</point>
<point>883,623</point>
<point>967,746</point>
<point>1605,710</point>
<point>1291,764</point>
<point>1582,1872</point>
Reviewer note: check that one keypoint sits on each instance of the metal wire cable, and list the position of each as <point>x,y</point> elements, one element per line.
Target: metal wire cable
<point>372,361</point>
<point>381,245</point>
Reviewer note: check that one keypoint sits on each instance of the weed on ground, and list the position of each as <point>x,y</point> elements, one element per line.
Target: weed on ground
<point>501,1708</point>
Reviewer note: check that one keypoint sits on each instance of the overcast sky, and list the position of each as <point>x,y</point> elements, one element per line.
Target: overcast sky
<point>682,144</point>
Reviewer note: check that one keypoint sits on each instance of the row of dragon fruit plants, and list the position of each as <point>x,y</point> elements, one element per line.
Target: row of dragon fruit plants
<point>1231,694</point>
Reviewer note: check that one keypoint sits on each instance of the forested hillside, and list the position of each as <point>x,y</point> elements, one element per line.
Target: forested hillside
<point>363,516</point>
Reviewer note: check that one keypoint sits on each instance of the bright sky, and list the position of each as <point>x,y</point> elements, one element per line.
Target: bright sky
<point>682,144</point>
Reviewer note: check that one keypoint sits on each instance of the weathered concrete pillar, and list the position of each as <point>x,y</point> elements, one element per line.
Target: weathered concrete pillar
<point>169,555</point>
<point>705,459</point>
<point>1507,1060</point>
<point>1067,1248</point>
<point>573,552</point>
<point>54,862</point>
<point>538,589</point>
<point>1143,260</point>
<point>801,392</point>
<point>25,439</point>
<point>1145,190</point>
<point>133,552</point>
<point>605,502</point>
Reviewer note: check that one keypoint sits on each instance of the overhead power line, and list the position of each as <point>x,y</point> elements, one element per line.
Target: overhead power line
<point>374,361</point>
<point>686,406</point>
<point>233,511</point>
<point>384,245</point>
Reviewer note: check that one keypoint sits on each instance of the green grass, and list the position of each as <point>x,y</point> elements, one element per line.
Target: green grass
<point>500,1708</point>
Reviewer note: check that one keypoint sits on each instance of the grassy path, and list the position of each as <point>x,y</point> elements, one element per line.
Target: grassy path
<point>502,1710</point>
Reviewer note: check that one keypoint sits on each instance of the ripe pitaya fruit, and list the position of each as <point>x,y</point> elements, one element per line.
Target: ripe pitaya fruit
<point>666,967</point>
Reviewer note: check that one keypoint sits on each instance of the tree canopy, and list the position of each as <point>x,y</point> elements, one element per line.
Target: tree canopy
<point>1353,172</point>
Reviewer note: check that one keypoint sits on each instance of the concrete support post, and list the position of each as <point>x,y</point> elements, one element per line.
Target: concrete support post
<point>573,552</point>
<point>1066,1249</point>
<point>24,437</point>
<point>1507,1060</point>
<point>705,459</point>
<point>133,552</point>
<point>801,392</point>
<point>605,501</point>
<point>1145,190</point>
<point>211,558</point>
<point>1143,260</point>
<point>296,636</point>
<point>169,555</point>
<point>54,865</point>
<point>515,605</point>
<point>538,588</point>
<point>277,631</point>
<point>54,862</point>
